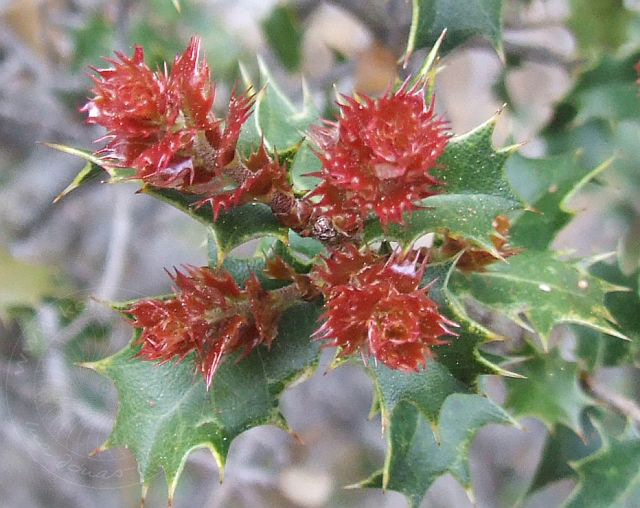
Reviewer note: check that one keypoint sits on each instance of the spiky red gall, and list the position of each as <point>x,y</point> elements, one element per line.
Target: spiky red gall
<point>375,305</point>
<point>376,158</point>
<point>209,315</point>
<point>161,124</point>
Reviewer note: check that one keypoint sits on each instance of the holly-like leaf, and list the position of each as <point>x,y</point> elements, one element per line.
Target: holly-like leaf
<point>550,391</point>
<point>546,290</point>
<point>415,458</point>
<point>596,349</point>
<point>165,411</point>
<point>426,438</point>
<point>426,390</point>
<point>461,354</point>
<point>92,169</point>
<point>546,185</point>
<point>88,172</point>
<point>281,124</point>
<point>607,476</point>
<point>462,20</point>
<point>233,227</point>
<point>475,191</point>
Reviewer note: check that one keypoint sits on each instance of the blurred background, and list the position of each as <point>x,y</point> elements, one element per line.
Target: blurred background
<point>567,80</point>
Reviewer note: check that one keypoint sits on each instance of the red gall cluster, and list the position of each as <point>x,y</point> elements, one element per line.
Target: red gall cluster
<point>377,156</point>
<point>161,124</point>
<point>475,259</point>
<point>375,306</point>
<point>210,315</point>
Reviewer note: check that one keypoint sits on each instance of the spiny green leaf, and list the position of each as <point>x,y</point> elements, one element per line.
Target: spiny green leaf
<point>462,20</point>
<point>426,390</point>
<point>279,121</point>
<point>471,165</point>
<point>87,173</point>
<point>233,227</point>
<point>91,169</point>
<point>460,355</point>
<point>415,459</point>
<point>607,476</point>
<point>475,191</point>
<point>546,185</point>
<point>546,290</point>
<point>596,349</point>
<point>551,391</point>
<point>165,411</point>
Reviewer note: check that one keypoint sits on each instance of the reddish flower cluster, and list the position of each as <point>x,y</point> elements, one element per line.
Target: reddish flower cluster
<point>161,123</point>
<point>377,156</point>
<point>209,315</point>
<point>475,259</point>
<point>375,305</point>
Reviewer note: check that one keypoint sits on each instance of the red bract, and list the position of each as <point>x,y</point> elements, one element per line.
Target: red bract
<point>377,156</point>
<point>375,305</point>
<point>161,124</point>
<point>208,315</point>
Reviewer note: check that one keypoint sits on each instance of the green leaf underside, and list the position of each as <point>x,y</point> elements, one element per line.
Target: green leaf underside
<point>475,191</point>
<point>551,391</point>
<point>545,185</point>
<point>415,459</point>
<point>233,227</point>
<point>607,476</point>
<point>546,290</point>
<point>165,411</point>
<point>462,20</point>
